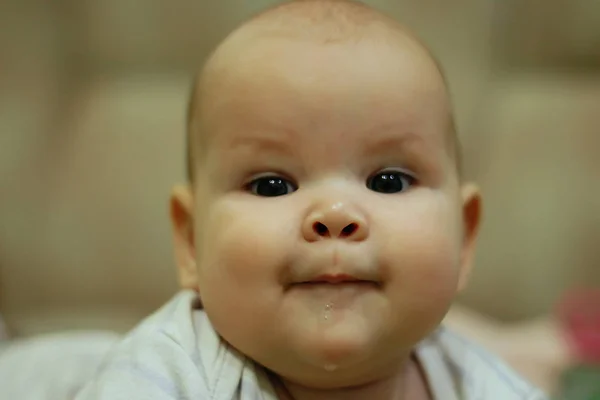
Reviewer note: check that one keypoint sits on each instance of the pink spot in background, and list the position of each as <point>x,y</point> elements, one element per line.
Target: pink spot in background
<point>579,313</point>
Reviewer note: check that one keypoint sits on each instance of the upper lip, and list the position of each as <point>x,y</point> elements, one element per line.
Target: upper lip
<point>332,265</point>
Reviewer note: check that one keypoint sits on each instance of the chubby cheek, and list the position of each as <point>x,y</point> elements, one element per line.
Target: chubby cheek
<point>242,251</point>
<point>421,260</point>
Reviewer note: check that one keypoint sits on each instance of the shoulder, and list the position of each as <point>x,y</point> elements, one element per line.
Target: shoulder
<point>173,354</point>
<point>472,371</point>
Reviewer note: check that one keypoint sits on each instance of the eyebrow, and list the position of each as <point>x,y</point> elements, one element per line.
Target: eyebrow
<point>262,143</point>
<point>391,142</point>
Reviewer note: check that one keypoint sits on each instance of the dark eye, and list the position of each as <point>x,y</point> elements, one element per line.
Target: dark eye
<point>271,186</point>
<point>390,182</point>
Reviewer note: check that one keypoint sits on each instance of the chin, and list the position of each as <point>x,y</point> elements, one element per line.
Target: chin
<point>337,348</point>
<point>339,366</point>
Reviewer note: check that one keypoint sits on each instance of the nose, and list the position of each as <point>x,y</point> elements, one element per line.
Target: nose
<point>335,221</point>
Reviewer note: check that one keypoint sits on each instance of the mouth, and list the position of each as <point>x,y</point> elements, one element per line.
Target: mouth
<point>337,280</point>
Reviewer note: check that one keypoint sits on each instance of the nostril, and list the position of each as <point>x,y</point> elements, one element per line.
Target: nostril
<point>321,229</point>
<point>349,230</point>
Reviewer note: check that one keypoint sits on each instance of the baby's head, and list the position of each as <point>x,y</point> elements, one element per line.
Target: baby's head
<point>325,226</point>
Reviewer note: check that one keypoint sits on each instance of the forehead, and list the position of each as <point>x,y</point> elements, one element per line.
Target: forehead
<point>308,85</point>
<point>320,94</point>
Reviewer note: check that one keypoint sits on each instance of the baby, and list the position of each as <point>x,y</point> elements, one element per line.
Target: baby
<point>325,230</point>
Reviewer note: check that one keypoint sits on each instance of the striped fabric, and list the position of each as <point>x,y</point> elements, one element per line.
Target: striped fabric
<point>458,369</point>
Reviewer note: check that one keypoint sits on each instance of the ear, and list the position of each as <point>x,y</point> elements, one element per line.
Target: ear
<point>471,217</point>
<point>182,221</point>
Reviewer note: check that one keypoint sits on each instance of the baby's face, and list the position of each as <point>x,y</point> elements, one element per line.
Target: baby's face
<point>329,218</point>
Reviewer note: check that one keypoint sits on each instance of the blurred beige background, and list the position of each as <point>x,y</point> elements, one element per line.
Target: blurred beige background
<point>92,98</point>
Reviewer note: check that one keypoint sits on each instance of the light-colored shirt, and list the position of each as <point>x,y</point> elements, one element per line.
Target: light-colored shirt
<point>51,366</point>
<point>176,354</point>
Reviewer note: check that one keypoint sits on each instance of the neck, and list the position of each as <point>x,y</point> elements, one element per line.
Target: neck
<point>408,383</point>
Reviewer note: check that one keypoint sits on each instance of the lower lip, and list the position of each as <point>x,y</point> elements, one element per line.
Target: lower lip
<point>327,287</point>
<point>342,294</point>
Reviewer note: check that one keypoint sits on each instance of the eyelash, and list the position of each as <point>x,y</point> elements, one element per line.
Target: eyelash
<point>396,181</point>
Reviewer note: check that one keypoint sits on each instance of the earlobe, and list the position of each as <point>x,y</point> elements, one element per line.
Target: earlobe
<point>182,223</point>
<point>471,218</point>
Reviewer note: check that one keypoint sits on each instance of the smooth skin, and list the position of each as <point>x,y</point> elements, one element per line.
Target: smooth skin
<point>326,159</point>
